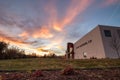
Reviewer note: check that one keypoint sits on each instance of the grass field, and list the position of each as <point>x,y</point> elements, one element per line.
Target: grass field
<point>54,63</point>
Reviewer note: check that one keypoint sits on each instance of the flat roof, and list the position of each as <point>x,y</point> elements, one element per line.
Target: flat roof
<point>108,26</point>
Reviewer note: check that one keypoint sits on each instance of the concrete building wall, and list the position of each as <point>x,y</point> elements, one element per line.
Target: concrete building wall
<point>107,41</point>
<point>90,45</point>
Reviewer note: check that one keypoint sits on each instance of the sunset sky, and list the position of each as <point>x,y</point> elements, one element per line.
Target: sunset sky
<point>47,25</point>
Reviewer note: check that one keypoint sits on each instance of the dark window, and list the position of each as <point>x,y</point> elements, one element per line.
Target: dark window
<point>118,31</point>
<point>107,33</point>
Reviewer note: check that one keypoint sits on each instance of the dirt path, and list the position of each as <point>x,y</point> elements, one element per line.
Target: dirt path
<point>90,74</point>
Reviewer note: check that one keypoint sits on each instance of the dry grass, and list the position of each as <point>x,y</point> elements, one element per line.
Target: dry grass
<point>54,63</point>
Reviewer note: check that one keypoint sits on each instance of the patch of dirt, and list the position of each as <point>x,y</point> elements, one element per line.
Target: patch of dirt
<point>89,74</point>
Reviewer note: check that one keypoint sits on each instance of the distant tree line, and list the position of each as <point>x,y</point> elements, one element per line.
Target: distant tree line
<point>49,56</point>
<point>13,52</point>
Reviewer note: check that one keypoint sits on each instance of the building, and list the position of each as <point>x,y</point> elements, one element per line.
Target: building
<point>102,42</point>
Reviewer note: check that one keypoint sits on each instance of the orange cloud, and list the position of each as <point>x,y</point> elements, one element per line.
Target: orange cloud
<point>24,35</point>
<point>42,50</point>
<point>42,33</point>
<point>50,8</point>
<point>57,27</point>
<point>6,38</point>
<point>76,7</point>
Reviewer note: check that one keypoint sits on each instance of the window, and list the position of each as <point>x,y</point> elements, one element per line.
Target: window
<point>107,33</point>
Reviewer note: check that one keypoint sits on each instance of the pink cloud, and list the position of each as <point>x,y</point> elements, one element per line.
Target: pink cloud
<point>75,8</point>
<point>108,2</point>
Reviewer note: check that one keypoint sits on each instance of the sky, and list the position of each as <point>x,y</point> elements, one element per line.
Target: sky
<point>46,26</point>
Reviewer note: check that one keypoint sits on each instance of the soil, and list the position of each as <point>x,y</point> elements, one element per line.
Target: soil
<point>81,74</point>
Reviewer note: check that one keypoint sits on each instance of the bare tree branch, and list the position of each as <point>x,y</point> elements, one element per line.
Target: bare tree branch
<point>115,44</point>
